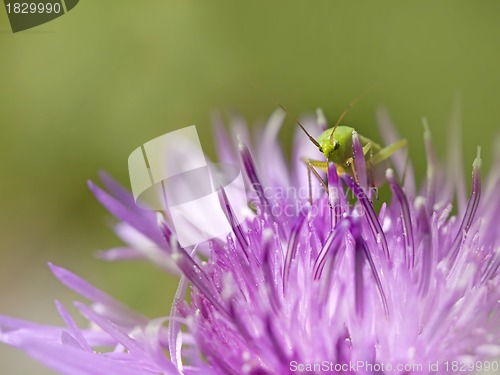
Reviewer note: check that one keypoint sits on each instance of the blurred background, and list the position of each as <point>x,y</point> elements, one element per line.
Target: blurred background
<point>78,94</point>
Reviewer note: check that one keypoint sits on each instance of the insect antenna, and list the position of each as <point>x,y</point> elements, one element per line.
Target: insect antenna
<point>351,104</point>
<point>311,138</point>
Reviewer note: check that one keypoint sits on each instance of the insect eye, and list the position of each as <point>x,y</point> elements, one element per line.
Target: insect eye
<point>336,145</point>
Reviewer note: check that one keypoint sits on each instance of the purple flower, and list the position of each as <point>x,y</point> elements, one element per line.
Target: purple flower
<point>335,286</point>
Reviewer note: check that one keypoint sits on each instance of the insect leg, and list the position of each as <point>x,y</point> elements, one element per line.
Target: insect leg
<point>350,163</point>
<point>311,164</point>
<point>373,188</point>
<point>368,150</point>
<point>387,151</point>
<point>309,183</point>
<point>407,160</point>
<point>370,168</point>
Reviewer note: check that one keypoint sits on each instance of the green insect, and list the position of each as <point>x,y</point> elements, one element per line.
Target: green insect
<point>336,145</point>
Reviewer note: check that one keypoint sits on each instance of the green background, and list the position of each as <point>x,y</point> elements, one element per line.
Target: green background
<point>80,93</point>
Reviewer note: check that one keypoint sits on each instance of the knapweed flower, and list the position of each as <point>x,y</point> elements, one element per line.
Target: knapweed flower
<point>329,287</point>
